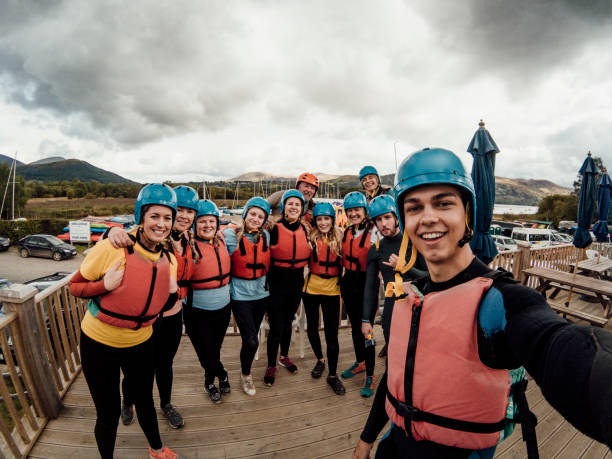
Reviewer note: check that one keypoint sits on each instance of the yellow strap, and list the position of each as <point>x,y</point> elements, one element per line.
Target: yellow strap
<point>397,287</point>
<point>377,241</point>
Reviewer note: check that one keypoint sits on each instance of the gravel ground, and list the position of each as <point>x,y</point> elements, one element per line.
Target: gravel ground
<point>17,269</point>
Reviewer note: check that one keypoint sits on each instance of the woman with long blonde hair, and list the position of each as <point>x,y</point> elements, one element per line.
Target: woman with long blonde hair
<point>322,290</point>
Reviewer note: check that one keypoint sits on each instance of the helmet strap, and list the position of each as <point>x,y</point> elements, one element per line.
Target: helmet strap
<point>469,233</point>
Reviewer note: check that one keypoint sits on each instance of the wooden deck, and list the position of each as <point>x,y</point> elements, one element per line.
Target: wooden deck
<point>298,418</point>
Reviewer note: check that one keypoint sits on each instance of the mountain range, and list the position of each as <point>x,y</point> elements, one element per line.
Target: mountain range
<point>527,192</point>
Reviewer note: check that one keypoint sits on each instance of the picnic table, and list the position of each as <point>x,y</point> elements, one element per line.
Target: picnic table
<point>594,265</point>
<point>560,280</point>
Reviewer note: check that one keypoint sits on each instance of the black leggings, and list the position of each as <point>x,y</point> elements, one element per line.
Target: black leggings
<point>248,315</point>
<point>167,333</point>
<point>352,287</point>
<point>281,311</point>
<point>101,366</point>
<point>207,332</point>
<point>330,305</point>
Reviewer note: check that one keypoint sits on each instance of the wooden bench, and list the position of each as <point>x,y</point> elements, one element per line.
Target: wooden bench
<point>558,287</point>
<point>591,318</point>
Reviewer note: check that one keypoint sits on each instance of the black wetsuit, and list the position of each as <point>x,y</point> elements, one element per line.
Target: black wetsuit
<point>571,363</point>
<point>376,264</point>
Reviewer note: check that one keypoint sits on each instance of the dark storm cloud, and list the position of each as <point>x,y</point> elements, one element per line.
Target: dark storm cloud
<point>520,40</point>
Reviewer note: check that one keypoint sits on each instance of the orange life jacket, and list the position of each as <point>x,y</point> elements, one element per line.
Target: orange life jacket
<point>324,262</point>
<point>291,249</point>
<point>212,270</point>
<point>249,260</point>
<point>142,294</point>
<point>437,387</point>
<point>355,251</point>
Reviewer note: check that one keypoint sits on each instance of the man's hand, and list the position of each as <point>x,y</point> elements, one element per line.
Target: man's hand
<point>362,450</point>
<point>119,238</point>
<point>366,329</point>
<point>393,259</point>
<point>113,277</point>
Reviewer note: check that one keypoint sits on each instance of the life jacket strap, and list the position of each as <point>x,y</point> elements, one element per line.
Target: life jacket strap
<point>526,418</point>
<point>138,319</point>
<point>413,414</point>
<point>220,277</point>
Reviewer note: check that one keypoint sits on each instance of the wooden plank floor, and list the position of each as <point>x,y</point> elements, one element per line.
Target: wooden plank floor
<point>299,417</point>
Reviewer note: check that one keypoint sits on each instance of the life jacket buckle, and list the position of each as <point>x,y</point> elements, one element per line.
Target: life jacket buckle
<point>408,412</point>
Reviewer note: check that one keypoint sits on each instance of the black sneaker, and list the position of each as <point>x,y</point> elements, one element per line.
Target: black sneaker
<point>336,385</point>
<point>383,351</point>
<point>224,386</point>
<point>270,376</point>
<point>127,414</point>
<point>174,417</point>
<point>318,369</point>
<point>213,393</point>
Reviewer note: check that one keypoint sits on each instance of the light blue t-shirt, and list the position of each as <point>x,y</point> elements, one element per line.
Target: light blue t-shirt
<point>245,289</point>
<point>211,299</point>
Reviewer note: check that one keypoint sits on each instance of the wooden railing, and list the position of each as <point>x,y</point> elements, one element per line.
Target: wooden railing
<point>39,340</point>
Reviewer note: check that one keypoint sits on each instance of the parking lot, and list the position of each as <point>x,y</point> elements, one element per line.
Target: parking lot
<point>17,269</point>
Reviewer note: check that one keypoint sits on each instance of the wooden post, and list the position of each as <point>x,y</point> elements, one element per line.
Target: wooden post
<point>19,298</point>
<point>523,261</point>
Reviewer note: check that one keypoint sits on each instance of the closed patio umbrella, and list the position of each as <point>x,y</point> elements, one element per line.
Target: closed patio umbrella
<point>483,148</point>
<point>600,229</point>
<point>586,203</point>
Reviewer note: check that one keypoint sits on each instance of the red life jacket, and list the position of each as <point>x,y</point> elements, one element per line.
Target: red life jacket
<point>212,270</point>
<point>324,262</point>
<point>432,344</point>
<point>142,294</point>
<point>291,249</point>
<point>355,251</point>
<point>249,260</point>
<point>183,271</point>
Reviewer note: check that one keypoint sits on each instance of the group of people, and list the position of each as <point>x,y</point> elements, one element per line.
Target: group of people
<point>459,336</point>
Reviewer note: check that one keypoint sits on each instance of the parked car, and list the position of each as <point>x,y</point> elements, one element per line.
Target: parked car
<point>562,237</point>
<point>5,243</point>
<point>504,243</point>
<point>42,283</point>
<point>535,236</point>
<point>45,245</point>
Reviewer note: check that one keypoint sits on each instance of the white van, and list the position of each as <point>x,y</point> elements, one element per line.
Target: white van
<point>541,237</point>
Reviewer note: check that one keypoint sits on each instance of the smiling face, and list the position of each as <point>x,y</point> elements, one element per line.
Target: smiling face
<point>324,223</point>
<point>370,182</point>
<point>206,226</point>
<point>157,223</point>
<point>435,221</point>
<point>356,215</point>
<point>184,219</point>
<point>254,218</point>
<point>387,224</point>
<point>293,208</point>
<point>307,190</point>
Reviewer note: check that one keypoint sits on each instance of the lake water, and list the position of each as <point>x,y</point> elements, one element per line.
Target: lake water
<point>514,209</point>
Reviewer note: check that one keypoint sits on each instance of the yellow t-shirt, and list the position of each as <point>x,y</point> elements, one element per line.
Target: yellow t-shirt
<point>317,285</point>
<point>97,262</point>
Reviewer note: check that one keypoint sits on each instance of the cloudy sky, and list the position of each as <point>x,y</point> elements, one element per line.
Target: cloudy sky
<point>192,90</point>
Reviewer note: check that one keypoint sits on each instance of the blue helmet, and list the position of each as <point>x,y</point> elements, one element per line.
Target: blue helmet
<point>292,194</point>
<point>155,194</point>
<point>381,205</point>
<point>186,197</point>
<point>258,202</point>
<point>368,170</point>
<point>324,208</point>
<point>206,207</point>
<point>431,166</point>
<point>355,199</point>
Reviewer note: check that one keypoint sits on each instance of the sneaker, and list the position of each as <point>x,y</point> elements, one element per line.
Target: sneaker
<point>224,386</point>
<point>164,453</point>
<point>174,417</point>
<point>383,352</point>
<point>336,385</point>
<point>368,388</point>
<point>127,414</point>
<point>355,369</point>
<point>288,364</point>
<point>270,376</point>
<point>317,371</point>
<point>213,393</point>
<point>246,382</point>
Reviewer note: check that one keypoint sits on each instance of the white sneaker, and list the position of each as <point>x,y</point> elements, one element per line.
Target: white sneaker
<point>246,382</point>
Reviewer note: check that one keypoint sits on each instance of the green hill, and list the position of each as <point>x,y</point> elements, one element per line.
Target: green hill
<point>8,160</point>
<point>68,169</point>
